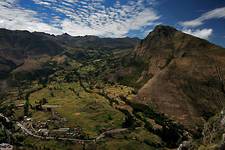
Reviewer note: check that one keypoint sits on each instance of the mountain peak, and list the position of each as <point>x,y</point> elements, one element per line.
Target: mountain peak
<point>166,39</point>
<point>162,31</point>
<point>164,28</point>
<point>65,34</point>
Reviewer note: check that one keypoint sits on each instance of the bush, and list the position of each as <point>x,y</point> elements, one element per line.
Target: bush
<point>2,136</point>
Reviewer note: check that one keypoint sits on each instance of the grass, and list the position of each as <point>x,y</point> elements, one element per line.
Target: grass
<point>33,143</point>
<point>123,144</point>
<point>87,69</point>
<point>139,139</point>
<point>119,90</point>
<point>41,116</point>
<point>144,136</point>
<point>88,110</point>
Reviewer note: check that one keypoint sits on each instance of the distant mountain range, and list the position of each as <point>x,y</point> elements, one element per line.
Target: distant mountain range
<point>18,46</point>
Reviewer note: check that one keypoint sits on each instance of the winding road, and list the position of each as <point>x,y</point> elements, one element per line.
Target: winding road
<point>102,135</point>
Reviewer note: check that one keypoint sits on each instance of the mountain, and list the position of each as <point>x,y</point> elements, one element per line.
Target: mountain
<point>30,51</point>
<point>153,93</point>
<point>95,43</point>
<point>186,76</point>
<point>18,47</point>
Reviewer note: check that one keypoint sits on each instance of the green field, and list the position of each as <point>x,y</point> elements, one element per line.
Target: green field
<point>90,111</point>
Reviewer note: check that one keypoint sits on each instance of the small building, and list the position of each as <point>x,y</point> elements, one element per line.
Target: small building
<point>43,132</point>
<point>29,119</point>
<point>63,129</point>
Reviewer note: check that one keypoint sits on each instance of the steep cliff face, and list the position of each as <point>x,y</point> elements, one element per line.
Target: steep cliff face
<point>187,74</point>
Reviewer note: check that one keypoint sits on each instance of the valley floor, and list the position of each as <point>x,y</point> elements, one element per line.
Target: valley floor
<point>76,110</point>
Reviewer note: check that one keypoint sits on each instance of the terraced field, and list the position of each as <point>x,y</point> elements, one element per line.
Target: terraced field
<point>89,110</point>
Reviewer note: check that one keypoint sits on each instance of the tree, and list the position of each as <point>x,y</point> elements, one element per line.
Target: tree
<point>26,108</point>
<point>2,136</point>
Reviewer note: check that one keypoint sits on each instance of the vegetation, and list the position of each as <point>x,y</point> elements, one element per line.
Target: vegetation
<point>77,97</point>
<point>85,96</point>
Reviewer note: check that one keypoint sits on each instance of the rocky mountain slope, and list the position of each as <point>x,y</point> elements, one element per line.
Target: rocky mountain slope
<point>18,48</point>
<point>187,76</point>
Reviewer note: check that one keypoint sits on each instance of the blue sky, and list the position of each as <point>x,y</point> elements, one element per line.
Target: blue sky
<point>115,18</point>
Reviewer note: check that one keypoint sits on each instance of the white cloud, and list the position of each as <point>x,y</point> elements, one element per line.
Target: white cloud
<point>204,33</point>
<point>213,14</point>
<point>86,17</point>
<point>20,19</point>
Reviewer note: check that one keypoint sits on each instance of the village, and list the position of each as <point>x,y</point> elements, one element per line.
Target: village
<point>55,122</point>
<point>40,130</point>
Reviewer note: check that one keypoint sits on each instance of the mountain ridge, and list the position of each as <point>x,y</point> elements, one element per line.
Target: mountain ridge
<point>183,69</point>
<point>17,47</point>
